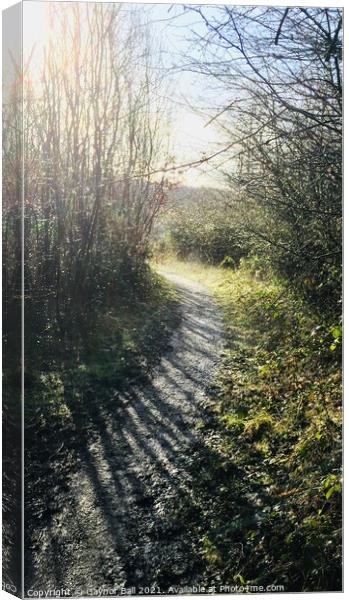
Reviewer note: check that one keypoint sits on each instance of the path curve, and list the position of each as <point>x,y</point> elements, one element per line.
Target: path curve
<point>115,524</point>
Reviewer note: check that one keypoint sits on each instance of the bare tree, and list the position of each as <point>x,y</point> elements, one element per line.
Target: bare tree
<point>282,70</point>
<point>94,132</point>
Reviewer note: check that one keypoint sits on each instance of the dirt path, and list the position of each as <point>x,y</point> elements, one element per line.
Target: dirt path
<point>116,523</point>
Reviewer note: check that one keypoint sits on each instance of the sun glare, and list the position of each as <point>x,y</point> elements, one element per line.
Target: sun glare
<point>190,137</point>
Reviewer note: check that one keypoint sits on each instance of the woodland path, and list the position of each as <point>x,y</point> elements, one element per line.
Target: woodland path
<point>115,523</point>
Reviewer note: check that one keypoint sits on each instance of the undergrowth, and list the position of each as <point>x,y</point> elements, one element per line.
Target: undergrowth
<point>64,398</point>
<point>268,484</point>
<point>122,342</point>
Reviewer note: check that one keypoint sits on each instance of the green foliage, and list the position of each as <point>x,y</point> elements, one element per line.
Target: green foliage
<point>269,482</point>
<point>218,236</point>
<point>209,233</point>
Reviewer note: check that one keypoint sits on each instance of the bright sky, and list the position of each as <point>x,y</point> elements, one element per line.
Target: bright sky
<point>172,31</point>
<point>192,137</point>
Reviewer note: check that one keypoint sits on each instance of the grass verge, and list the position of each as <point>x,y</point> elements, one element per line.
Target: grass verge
<point>267,490</point>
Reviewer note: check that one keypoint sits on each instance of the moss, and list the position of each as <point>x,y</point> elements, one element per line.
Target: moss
<point>257,427</point>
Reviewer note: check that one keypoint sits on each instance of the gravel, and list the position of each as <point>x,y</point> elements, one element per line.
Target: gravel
<point>115,523</point>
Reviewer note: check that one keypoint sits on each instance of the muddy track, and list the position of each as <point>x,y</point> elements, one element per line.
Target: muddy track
<point>115,521</point>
